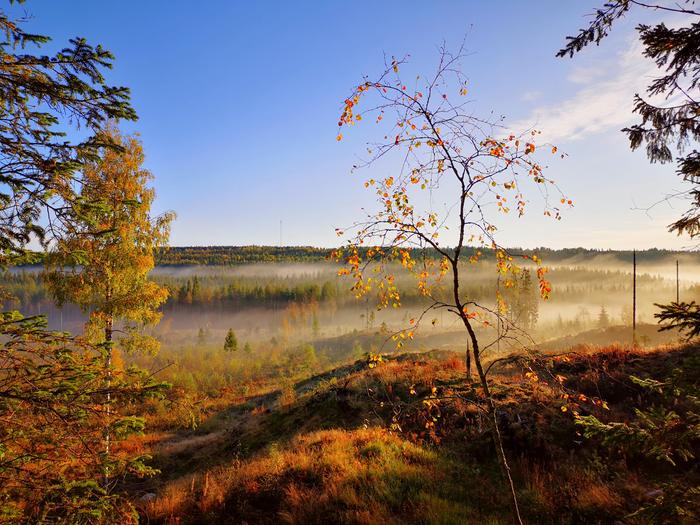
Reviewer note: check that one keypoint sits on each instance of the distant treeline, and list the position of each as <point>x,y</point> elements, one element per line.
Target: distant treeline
<point>237,255</point>
<point>241,292</point>
<point>234,255</point>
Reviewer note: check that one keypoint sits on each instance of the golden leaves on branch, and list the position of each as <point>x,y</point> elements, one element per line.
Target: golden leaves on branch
<point>488,171</point>
<point>373,360</point>
<point>545,286</point>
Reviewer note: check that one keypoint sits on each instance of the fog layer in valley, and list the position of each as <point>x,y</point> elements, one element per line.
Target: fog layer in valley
<point>307,302</point>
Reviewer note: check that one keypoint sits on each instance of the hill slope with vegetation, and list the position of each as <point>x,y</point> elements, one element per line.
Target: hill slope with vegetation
<point>593,437</point>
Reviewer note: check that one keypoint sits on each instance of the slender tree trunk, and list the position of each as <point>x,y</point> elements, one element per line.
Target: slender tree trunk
<point>493,420</point>
<point>458,304</point>
<point>493,423</point>
<point>108,397</point>
<point>468,363</point>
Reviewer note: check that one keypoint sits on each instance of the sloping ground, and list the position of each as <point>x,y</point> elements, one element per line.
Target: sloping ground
<point>405,443</point>
<point>647,335</point>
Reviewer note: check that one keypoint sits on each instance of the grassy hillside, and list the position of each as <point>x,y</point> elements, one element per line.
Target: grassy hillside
<point>405,442</point>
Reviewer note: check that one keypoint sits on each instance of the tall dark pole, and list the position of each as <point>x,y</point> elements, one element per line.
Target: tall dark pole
<point>634,297</point>
<point>678,287</point>
<point>498,310</point>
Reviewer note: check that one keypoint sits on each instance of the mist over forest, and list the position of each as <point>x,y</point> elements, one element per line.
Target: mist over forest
<point>302,299</point>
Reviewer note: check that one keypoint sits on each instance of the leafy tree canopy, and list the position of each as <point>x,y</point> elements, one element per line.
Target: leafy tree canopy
<point>102,263</point>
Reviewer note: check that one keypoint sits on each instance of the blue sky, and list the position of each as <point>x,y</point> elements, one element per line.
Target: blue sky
<point>239,101</point>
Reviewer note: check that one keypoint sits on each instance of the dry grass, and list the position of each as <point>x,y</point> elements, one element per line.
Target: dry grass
<point>285,465</point>
<point>598,495</point>
<point>333,476</point>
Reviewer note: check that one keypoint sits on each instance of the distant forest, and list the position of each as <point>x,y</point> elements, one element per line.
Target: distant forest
<point>234,255</point>
<point>237,255</point>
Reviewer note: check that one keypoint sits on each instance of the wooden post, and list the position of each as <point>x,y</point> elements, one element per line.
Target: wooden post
<point>498,313</point>
<point>634,297</point>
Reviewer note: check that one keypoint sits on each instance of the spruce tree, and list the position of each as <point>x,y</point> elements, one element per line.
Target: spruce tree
<point>231,342</point>
<point>670,129</point>
<point>52,409</point>
<point>41,97</point>
<point>669,111</point>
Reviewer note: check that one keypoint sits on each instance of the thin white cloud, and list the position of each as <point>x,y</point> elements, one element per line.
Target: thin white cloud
<point>586,75</point>
<point>602,102</point>
<point>531,96</point>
